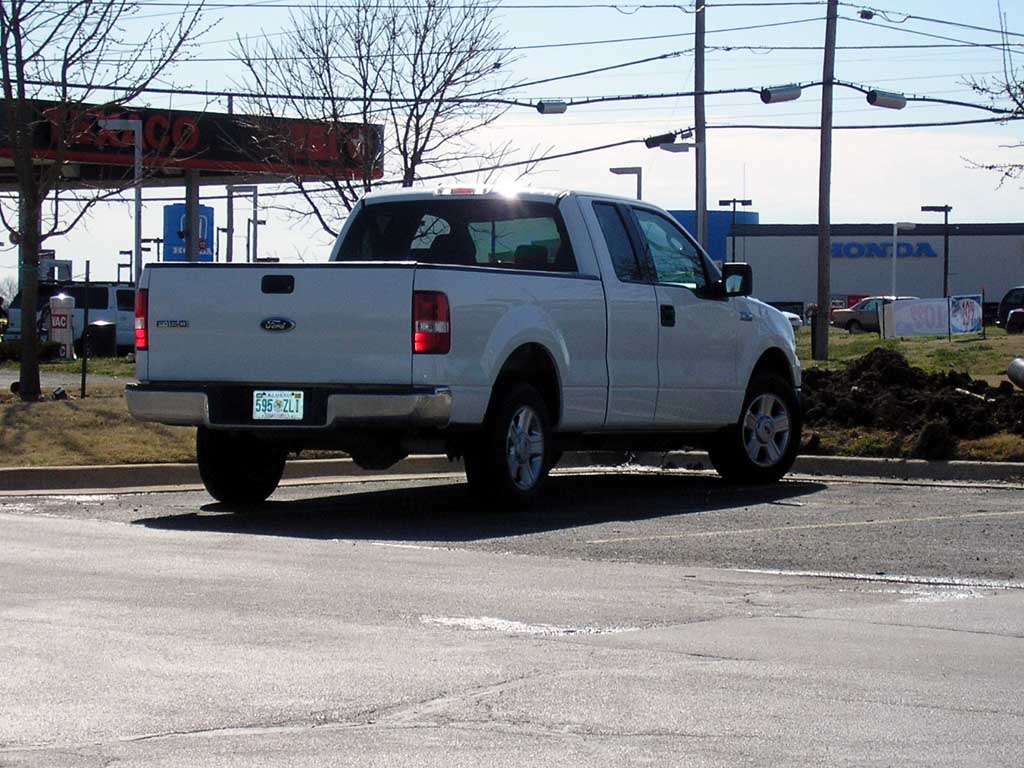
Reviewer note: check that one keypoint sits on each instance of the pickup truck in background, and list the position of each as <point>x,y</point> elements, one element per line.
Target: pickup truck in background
<point>502,328</point>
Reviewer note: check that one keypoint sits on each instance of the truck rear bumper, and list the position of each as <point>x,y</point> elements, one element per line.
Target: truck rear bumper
<point>226,407</point>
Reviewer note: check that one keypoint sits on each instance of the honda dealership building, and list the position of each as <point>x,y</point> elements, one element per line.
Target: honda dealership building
<point>985,258</point>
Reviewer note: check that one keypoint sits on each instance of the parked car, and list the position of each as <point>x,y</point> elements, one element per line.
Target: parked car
<point>1015,321</point>
<point>501,328</point>
<point>863,316</point>
<point>1014,299</point>
<point>108,302</point>
<point>794,320</point>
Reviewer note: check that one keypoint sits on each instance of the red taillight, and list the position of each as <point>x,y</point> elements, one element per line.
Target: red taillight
<point>141,320</point>
<point>431,323</point>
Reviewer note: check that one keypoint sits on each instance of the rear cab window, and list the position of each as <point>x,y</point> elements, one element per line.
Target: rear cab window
<point>466,232</point>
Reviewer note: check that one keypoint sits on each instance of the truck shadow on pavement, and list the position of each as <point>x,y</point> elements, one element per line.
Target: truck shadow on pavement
<point>448,513</point>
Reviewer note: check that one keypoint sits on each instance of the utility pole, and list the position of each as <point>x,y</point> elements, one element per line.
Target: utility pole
<point>700,127</point>
<point>231,202</point>
<point>820,336</point>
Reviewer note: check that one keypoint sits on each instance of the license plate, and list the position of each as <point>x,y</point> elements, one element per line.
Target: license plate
<point>277,405</point>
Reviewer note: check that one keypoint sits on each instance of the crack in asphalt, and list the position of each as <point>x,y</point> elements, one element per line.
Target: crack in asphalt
<point>954,630</point>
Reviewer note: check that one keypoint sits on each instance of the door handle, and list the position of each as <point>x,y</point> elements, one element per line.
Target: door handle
<point>668,315</point>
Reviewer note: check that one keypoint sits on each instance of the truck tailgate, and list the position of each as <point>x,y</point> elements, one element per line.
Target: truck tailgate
<point>287,324</point>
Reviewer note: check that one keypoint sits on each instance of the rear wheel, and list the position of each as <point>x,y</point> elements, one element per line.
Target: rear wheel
<point>762,447</point>
<point>510,459</point>
<point>238,468</point>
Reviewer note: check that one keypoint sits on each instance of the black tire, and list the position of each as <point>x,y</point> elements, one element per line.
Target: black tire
<point>854,327</point>
<point>757,449</point>
<point>237,468</point>
<point>510,459</point>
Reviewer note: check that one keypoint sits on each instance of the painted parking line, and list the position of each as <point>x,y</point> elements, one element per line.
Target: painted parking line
<point>969,516</point>
<point>955,582</point>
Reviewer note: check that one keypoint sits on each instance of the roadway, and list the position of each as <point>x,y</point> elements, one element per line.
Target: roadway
<point>631,618</point>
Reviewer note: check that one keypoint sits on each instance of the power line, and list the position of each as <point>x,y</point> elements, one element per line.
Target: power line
<point>907,16</point>
<point>880,126</point>
<point>875,25</point>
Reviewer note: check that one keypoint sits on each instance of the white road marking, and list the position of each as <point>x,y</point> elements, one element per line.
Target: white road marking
<point>891,578</point>
<point>506,626</point>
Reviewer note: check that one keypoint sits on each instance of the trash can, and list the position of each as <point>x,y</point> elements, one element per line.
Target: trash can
<point>101,339</point>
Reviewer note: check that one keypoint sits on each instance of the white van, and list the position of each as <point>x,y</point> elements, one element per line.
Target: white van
<point>109,302</point>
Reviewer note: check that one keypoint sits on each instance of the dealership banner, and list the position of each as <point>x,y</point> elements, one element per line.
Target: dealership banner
<point>955,316</point>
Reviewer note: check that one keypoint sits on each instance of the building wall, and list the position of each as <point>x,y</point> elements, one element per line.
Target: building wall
<point>784,260</point>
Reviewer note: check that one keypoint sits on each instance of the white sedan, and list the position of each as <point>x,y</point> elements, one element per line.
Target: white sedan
<point>794,320</point>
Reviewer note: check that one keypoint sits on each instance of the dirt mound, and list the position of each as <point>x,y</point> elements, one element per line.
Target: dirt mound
<point>882,391</point>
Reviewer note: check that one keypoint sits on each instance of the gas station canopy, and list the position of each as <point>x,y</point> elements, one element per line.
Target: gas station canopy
<point>217,148</point>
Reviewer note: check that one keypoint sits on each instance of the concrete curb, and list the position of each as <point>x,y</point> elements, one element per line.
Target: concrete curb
<point>141,476</point>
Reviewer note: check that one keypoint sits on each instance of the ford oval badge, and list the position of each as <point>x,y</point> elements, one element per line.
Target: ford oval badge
<point>275,324</point>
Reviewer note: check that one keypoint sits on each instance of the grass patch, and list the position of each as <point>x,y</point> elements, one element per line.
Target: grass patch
<point>981,358</point>
<point>995,448</point>
<point>97,430</point>
<point>121,367</point>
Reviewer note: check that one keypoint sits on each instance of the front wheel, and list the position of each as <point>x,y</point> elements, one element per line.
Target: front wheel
<point>511,458</point>
<point>238,468</point>
<point>855,327</point>
<point>762,446</point>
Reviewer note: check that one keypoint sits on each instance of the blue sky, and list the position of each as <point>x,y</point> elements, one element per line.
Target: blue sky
<point>879,175</point>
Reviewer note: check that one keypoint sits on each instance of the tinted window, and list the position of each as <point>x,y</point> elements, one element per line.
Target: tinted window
<point>676,259</point>
<point>98,297</point>
<point>627,267</point>
<point>126,301</point>
<point>463,232</point>
<point>1015,296</point>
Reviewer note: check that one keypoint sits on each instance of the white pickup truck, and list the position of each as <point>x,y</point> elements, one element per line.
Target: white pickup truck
<point>503,328</point>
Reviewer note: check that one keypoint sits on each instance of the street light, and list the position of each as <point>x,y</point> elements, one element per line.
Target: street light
<point>248,189</point>
<point>250,228</point>
<point>780,93</point>
<point>552,107</point>
<point>632,170</point>
<point>225,230</point>
<point>944,210</point>
<point>157,241</point>
<point>732,231</point>
<point>135,126</point>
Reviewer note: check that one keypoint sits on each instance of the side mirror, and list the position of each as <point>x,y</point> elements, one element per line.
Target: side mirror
<point>738,279</point>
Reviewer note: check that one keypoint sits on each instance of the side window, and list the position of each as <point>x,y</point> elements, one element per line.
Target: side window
<point>527,242</point>
<point>870,306</point>
<point>676,259</point>
<point>126,301</point>
<point>98,297</point>
<point>627,267</point>
<point>1015,297</point>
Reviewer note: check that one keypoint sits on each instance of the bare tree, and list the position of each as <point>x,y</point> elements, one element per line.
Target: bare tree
<point>1006,92</point>
<point>415,69</point>
<point>62,64</point>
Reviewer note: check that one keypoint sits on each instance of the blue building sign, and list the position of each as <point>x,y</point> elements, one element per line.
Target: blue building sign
<point>175,223</point>
<point>844,250</point>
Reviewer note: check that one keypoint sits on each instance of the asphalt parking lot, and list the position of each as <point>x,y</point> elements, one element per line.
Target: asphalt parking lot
<point>631,618</point>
